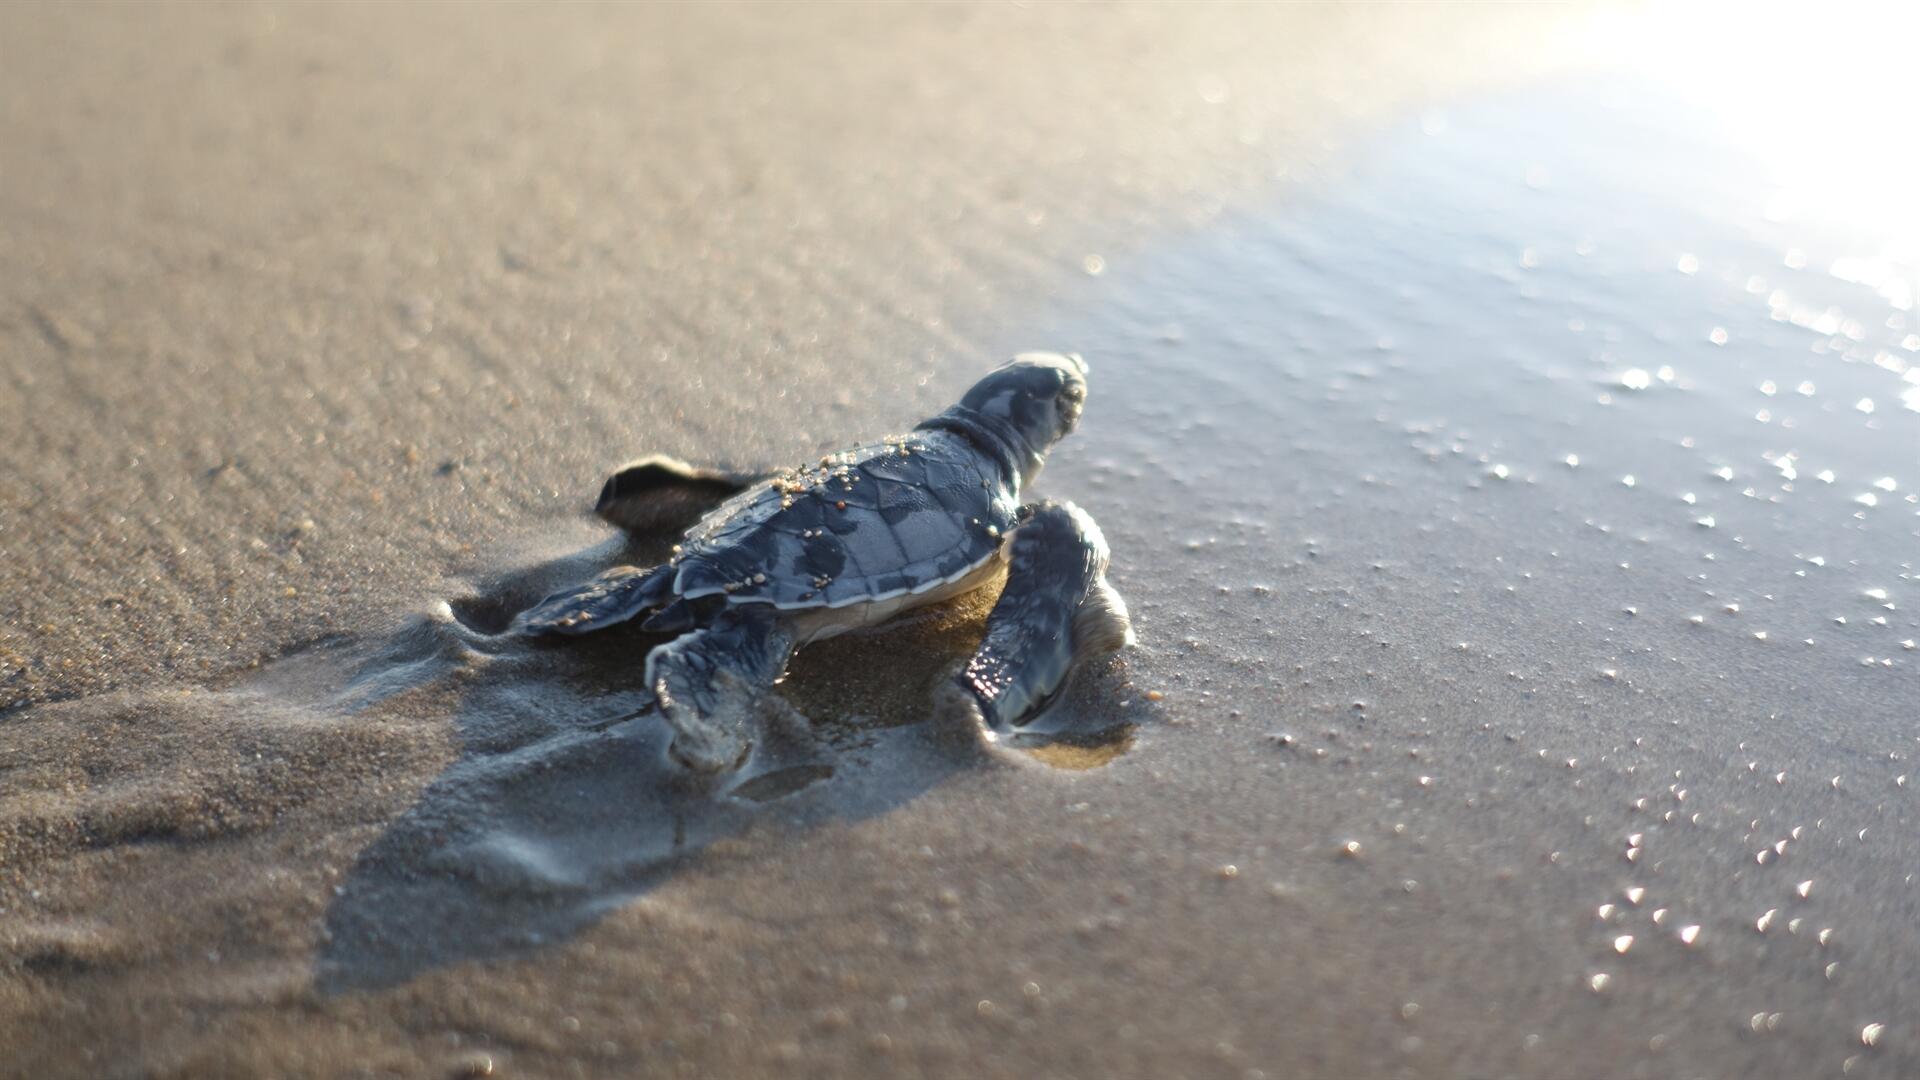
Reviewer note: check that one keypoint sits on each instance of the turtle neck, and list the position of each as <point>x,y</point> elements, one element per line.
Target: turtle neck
<point>992,436</point>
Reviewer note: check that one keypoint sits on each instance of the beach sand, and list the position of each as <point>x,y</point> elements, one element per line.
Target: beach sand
<point>1444,751</point>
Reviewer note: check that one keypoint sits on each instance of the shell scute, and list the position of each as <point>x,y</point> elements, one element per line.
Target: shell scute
<point>871,522</point>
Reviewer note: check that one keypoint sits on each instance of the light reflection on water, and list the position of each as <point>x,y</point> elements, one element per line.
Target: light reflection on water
<point>1544,418</point>
<point>1555,295</point>
<point>1818,99</point>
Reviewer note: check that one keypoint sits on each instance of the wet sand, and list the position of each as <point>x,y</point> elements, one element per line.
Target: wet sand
<point>1465,756</point>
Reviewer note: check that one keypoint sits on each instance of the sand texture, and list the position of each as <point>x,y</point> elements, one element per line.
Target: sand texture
<point>1525,595</point>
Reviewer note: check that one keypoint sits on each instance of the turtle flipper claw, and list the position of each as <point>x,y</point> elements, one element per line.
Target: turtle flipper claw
<point>1056,612</point>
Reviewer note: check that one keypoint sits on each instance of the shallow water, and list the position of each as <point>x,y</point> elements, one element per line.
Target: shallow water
<point>1471,756</point>
<point>1542,515</point>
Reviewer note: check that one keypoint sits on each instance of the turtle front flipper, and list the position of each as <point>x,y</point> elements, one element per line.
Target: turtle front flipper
<point>1056,611</point>
<point>611,598</point>
<point>660,493</point>
<point>708,683</point>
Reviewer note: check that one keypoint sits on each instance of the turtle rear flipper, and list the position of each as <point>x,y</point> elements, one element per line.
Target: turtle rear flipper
<point>1056,612</point>
<point>613,597</point>
<point>661,493</point>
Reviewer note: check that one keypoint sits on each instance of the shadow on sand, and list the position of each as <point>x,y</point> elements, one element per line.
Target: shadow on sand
<point>562,805</point>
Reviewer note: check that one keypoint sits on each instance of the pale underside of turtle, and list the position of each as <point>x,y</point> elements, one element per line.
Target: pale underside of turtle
<point>852,541</point>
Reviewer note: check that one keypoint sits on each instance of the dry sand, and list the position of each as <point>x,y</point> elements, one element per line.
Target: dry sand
<point>319,326</point>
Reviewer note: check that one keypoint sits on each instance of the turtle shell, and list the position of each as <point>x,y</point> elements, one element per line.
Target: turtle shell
<point>905,515</point>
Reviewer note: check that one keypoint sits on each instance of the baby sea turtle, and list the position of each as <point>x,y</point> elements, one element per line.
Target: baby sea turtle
<point>853,540</point>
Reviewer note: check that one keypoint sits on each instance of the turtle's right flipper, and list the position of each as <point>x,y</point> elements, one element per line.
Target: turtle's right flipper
<point>1056,612</point>
<point>660,493</point>
<point>613,597</point>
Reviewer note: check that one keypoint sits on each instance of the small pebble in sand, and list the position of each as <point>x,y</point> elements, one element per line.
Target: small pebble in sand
<point>475,1065</point>
<point>1155,695</point>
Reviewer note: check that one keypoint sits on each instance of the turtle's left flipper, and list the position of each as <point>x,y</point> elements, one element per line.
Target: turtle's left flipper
<point>658,493</point>
<point>1057,610</point>
<point>709,682</point>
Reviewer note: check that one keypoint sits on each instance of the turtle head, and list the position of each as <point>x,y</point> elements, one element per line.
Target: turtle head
<point>1038,396</point>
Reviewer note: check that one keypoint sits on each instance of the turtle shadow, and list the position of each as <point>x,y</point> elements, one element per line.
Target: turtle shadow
<point>561,804</point>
